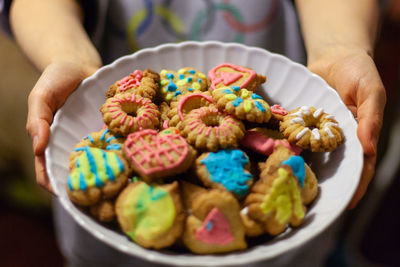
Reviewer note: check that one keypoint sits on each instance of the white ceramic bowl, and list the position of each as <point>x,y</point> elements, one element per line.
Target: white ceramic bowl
<point>289,84</point>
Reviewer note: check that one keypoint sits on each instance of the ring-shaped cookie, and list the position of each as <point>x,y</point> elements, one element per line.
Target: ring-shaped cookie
<point>311,128</point>
<point>209,129</point>
<point>127,113</point>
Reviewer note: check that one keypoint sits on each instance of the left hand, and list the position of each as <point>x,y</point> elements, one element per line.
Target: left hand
<point>352,72</point>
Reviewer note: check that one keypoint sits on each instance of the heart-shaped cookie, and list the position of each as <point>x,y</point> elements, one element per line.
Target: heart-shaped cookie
<point>156,156</point>
<point>228,74</point>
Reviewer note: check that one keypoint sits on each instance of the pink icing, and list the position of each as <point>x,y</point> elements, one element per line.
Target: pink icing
<point>215,229</point>
<point>262,144</point>
<point>216,78</point>
<point>165,124</point>
<point>133,80</point>
<point>277,109</point>
<point>146,149</point>
<point>186,98</point>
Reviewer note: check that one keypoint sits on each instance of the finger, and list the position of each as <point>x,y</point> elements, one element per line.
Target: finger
<point>366,177</point>
<point>41,176</point>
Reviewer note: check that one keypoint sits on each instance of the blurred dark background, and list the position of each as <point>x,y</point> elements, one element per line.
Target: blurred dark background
<point>369,238</point>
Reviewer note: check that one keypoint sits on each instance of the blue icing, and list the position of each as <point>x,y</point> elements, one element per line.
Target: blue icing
<point>209,225</point>
<point>255,96</point>
<point>171,86</point>
<point>259,106</point>
<point>237,101</point>
<point>227,168</point>
<point>236,88</point>
<point>82,182</point>
<point>90,138</point>
<point>69,181</point>
<point>103,136</point>
<point>199,80</point>
<point>190,89</point>
<point>109,171</point>
<point>227,91</point>
<point>192,71</point>
<point>177,93</point>
<point>189,79</point>
<point>181,76</point>
<point>170,76</point>
<point>296,163</point>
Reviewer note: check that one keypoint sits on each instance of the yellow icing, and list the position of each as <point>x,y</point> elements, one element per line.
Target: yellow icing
<point>245,93</point>
<point>201,75</point>
<point>196,86</point>
<point>230,96</point>
<point>169,96</point>
<point>284,198</point>
<point>181,71</point>
<point>92,164</point>
<point>247,106</point>
<point>181,82</point>
<point>152,210</point>
<point>163,72</point>
<point>164,82</point>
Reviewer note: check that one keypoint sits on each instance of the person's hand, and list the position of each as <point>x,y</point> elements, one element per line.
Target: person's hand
<point>56,83</point>
<point>353,74</point>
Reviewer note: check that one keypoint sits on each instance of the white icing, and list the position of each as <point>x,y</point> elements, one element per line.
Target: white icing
<point>244,211</point>
<point>318,112</point>
<point>297,120</point>
<point>302,111</point>
<point>315,133</point>
<point>330,117</point>
<point>328,131</point>
<point>301,133</point>
<point>331,124</point>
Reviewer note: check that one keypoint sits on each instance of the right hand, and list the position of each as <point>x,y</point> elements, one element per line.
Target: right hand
<point>57,82</point>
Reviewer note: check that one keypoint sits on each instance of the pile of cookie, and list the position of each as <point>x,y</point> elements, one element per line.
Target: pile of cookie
<point>199,161</point>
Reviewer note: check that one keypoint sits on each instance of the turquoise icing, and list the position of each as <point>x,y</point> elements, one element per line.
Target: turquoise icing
<point>171,86</point>
<point>190,89</point>
<point>237,101</point>
<point>103,136</point>
<point>113,146</point>
<point>177,93</point>
<point>227,168</point>
<point>227,91</point>
<point>192,71</point>
<point>90,138</point>
<point>199,80</point>
<point>255,96</point>
<point>259,106</point>
<point>181,76</point>
<point>170,76</point>
<point>296,163</point>
<point>189,79</point>
<point>236,88</point>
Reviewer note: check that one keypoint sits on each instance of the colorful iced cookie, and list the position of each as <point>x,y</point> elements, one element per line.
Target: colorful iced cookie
<point>102,139</point>
<point>144,83</point>
<point>226,169</point>
<point>127,113</point>
<point>312,129</point>
<point>209,129</point>
<point>228,74</point>
<point>214,225</point>
<point>184,81</point>
<point>264,141</point>
<point>186,103</point>
<point>151,215</point>
<point>242,103</point>
<point>95,175</point>
<point>155,156</point>
<point>275,202</point>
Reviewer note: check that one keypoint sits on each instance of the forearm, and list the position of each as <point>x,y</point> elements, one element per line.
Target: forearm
<point>51,31</point>
<point>338,24</point>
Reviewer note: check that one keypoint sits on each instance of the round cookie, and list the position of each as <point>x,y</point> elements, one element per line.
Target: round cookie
<point>242,103</point>
<point>96,174</point>
<point>104,211</point>
<point>144,83</point>
<point>185,80</point>
<point>312,129</point>
<point>151,215</point>
<point>214,225</point>
<point>127,113</point>
<point>209,129</point>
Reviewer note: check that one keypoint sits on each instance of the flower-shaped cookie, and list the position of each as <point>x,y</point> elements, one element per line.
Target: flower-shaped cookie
<point>185,80</point>
<point>242,103</point>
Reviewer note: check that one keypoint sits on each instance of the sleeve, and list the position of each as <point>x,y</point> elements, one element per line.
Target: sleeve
<point>4,14</point>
